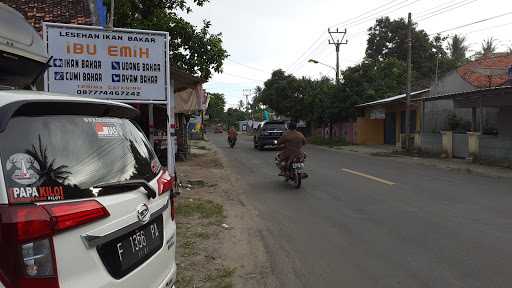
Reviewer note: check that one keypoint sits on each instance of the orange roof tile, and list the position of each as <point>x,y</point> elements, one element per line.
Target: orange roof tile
<point>472,72</point>
<point>58,11</point>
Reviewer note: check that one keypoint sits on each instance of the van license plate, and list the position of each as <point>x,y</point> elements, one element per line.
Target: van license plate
<point>123,254</point>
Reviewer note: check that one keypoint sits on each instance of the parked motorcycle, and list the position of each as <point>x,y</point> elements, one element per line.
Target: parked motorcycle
<point>294,170</point>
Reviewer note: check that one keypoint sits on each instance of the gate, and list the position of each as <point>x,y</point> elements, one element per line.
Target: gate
<point>390,128</point>
<point>460,145</point>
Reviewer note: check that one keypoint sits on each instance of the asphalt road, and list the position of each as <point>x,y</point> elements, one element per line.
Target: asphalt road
<point>411,226</point>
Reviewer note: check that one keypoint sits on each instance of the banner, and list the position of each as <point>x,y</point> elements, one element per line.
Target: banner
<point>123,64</point>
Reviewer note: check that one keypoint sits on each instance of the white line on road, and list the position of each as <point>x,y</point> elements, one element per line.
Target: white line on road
<point>368,176</point>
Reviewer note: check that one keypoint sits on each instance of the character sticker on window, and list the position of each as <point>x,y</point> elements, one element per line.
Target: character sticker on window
<point>155,166</point>
<point>23,168</point>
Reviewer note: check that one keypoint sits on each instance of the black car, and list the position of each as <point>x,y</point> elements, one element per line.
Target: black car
<point>268,133</point>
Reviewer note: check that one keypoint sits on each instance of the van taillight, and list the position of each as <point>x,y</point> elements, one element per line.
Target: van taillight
<point>165,183</point>
<point>69,215</point>
<point>26,238</point>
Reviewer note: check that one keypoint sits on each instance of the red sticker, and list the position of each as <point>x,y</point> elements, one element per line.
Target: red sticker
<point>107,130</point>
<point>34,194</point>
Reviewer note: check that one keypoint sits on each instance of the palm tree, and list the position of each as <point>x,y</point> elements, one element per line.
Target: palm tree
<point>46,170</point>
<point>458,49</point>
<point>488,48</point>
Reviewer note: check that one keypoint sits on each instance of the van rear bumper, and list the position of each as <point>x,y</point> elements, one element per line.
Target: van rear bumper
<point>169,280</point>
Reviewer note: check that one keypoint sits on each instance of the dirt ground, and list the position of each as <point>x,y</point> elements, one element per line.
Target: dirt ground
<point>218,244</point>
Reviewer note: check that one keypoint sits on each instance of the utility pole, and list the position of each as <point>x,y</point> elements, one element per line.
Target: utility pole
<point>247,93</point>
<point>409,80</point>
<point>337,42</point>
<point>110,24</point>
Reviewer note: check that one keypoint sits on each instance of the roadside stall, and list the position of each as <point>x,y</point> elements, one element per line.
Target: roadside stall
<point>188,94</point>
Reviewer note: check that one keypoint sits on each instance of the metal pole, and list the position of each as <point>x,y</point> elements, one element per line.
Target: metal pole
<point>111,20</point>
<point>409,79</point>
<point>437,72</point>
<point>337,43</point>
<point>337,64</point>
<point>151,125</point>
<point>481,115</point>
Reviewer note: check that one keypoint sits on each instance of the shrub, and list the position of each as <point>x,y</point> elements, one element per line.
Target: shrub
<point>318,140</point>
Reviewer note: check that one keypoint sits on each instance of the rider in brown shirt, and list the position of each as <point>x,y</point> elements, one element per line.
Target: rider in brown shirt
<point>293,141</point>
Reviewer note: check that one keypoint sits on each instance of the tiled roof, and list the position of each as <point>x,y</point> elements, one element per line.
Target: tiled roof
<point>58,11</point>
<point>472,72</point>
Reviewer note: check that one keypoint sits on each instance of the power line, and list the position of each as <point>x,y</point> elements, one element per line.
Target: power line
<point>376,14</point>
<point>321,34</point>
<point>242,77</point>
<point>472,23</point>
<point>428,11</point>
<point>347,22</point>
<point>246,66</point>
<point>488,28</point>
<point>363,20</point>
<point>446,9</point>
<point>430,14</point>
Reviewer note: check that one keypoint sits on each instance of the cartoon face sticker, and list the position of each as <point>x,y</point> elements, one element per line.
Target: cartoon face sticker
<point>22,168</point>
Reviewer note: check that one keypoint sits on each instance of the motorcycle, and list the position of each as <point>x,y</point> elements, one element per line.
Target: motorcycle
<point>294,170</point>
<point>232,142</point>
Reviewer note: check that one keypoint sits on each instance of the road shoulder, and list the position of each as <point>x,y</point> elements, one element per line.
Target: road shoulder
<point>225,250</point>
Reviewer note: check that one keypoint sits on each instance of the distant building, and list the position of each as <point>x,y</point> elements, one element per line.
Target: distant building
<point>487,72</point>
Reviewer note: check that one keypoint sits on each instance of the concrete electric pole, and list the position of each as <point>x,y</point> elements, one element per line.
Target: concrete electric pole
<point>110,24</point>
<point>337,42</point>
<point>409,80</point>
<point>247,93</point>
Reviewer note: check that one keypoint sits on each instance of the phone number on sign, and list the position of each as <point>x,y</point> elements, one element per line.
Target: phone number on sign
<point>107,93</point>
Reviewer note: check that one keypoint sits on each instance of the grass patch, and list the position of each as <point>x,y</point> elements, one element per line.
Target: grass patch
<point>203,235</point>
<point>318,140</point>
<point>221,278</point>
<point>198,225</point>
<point>189,248</point>
<point>205,209</point>
<point>184,280</point>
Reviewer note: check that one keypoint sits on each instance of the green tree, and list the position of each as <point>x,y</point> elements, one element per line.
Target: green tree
<point>388,39</point>
<point>458,49</point>
<point>216,106</point>
<point>281,93</point>
<point>233,115</point>
<point>193,49</point>
<point>489,47</point>
<point>371,81</point>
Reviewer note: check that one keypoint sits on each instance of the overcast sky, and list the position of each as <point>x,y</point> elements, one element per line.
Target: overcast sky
<point>264,35</point>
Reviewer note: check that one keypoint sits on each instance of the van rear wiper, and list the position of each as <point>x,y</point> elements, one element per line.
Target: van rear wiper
<point>151,193</point>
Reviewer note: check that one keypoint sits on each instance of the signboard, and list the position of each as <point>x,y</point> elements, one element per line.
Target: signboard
<point>123,64</point>
<point>378,113</point>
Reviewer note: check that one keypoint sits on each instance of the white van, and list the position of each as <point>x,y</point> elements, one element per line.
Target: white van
<point>84,201</point>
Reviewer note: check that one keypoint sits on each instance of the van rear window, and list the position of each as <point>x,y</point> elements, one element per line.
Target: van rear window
<point>54,158</point>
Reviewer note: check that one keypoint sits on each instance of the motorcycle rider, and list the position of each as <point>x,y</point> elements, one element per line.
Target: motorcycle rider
<point>232,134</point>
<point>292,141</point>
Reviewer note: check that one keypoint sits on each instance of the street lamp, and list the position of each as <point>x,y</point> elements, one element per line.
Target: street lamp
<point>327,65</point>
<point>318,62</point>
